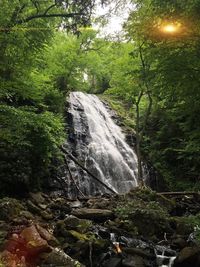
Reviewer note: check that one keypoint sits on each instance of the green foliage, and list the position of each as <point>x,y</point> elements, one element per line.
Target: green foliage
<point>34,63</point>
<point>149,218</point>
<point>170,138</point>
<point>29,141</point>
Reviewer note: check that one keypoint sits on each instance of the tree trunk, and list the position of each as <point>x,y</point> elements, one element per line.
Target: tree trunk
<point>138,152</point>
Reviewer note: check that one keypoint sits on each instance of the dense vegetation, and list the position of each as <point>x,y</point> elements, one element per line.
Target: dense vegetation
<point>155,75</point>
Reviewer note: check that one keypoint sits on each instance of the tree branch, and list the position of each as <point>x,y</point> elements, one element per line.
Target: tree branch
<point>70,15</point>
<point>47,10</point>
<point>88,172</point>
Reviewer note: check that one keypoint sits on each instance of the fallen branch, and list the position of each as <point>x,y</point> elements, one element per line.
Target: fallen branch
<point>178,193</point>
<point>71,177</point>
<point>86,170</point>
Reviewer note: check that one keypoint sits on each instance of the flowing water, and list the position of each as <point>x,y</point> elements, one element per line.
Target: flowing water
<point>99,144</point>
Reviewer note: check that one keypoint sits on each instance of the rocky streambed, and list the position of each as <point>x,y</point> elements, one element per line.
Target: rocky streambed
<point>139,229</point>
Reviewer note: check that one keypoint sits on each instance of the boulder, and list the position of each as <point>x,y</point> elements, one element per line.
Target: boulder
<point>114,262</point>
<point>93,214</point>
<point>46,235</point>
<point>188,257</point>
<point>136,261</point>
<point>73,223</point>
<point>34,242</point>
<point>96,204</point>
<point>140,252</point>
<point>10,208</point>
<point>37,198</point>
<point>58,258</point>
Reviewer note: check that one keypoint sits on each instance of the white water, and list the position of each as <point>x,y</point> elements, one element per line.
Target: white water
<point>106,153</point>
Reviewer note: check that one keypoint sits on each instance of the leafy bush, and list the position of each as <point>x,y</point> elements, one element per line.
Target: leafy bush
<point>29,141</point>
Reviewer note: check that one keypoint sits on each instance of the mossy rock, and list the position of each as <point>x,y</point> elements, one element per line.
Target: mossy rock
<point>74,223</point>
<point>182,225</point>
<point>149,218</point>
<point>10,208</point>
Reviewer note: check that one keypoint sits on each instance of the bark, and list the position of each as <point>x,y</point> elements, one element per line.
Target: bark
<point>138,139</point>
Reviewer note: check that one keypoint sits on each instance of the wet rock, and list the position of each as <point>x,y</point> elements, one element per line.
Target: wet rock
<point>114,262</point>
<point>178,243</point>
<point>10,208</point>
<point>93,214</point>
<point>133,262</point>
<point>139,252</point>
<point>58,258</point>
<point>74,223</point>
<point>188,257</point>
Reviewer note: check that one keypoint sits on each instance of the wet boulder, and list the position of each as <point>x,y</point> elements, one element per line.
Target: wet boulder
<point>188,257</point>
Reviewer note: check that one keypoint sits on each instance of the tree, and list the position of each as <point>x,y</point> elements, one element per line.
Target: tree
<point>31,120</point>
<point>172,132</point>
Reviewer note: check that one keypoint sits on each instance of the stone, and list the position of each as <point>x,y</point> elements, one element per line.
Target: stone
<point>113,262</point>
<point>46,235</point>
<point>8,259</point>
<point>136,261</point>
<point>73,223</point>
<point>33,208</point>
<point>96,204</point>
<point>179,243</point>
<point>75,204</point>
<point>188,257</point>
<point>10,208</point>
<point>93,214</point>
<point>34,242</point>
<point>58,258</point>
<point>45,215</point>
<point>42,206</point>
<point>37,198</point>
<point>26,214</point>
<point>139,252</point>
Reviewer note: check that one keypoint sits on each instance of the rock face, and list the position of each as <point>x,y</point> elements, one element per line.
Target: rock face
<point>97,142</point>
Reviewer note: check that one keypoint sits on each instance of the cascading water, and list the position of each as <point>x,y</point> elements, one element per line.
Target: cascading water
<point>99,144</point>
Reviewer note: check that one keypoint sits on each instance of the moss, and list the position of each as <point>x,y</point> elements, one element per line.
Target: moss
<point>148,218</point>
<point>10,208</point>
<point>122,110</point>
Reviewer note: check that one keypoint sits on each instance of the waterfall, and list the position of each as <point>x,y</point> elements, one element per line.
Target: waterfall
<point>99,144</point>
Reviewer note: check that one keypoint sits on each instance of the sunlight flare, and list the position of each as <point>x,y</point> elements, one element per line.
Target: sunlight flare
<point>170,28</point>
